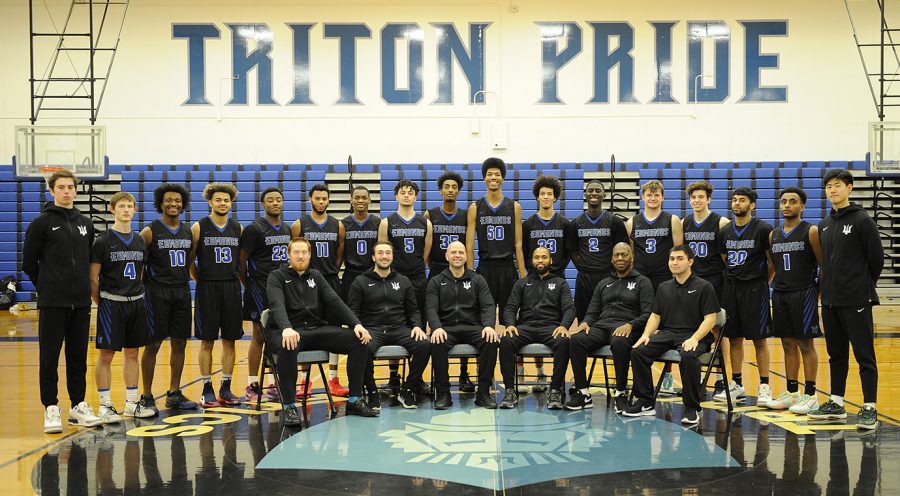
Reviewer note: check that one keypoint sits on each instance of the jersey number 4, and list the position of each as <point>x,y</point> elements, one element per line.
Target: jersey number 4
<point>130,271</point>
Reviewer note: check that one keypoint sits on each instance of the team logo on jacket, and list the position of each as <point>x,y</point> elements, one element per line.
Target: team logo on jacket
<point>551,286</point>
<point>847,229</point>
<point>467,285</point>
<point>311,282</point>
<point>83,230</point>
<point>631,286</point>
<point>396,286</point>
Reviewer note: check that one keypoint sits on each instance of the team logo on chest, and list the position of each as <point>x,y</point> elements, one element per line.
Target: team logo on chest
<point>83,230</point>
<point>467,285</point>
<point>847,229</point>
<point>551,286</point>
<point>396,286</point>
<point>631,286</point>
<point>311,282</point>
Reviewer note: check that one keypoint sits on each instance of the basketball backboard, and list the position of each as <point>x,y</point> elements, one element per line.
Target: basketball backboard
<point>42,150</point>
<point>884,148</point>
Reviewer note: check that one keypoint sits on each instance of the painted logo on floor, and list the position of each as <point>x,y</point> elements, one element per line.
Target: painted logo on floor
<point>495,449</point>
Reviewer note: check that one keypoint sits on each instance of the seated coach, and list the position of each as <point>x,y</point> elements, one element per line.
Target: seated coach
<point>616,316</point>
<point>540,310</point>
<point>460,309</point>
<point>684,313</point>
<point>300,304</point>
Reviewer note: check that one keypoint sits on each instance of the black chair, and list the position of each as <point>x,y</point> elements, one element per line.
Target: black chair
<point>307,357</point>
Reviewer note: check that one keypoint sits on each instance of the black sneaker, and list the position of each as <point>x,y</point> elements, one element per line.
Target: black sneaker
<point>485,399</point>
<point>374,401</point>
<point>510,398</point>
<point>291,417</point>
<point>177,401</point>
<point>690,417</point>
<point>208,398</point>
<point>555,400</point>
<point>718,387</point>
<point>407,398</point>
<point>640,409</point>
<point>867,418</point>
<point>828,410</point>
<point>443,401</point>
<point>226,397</point>
<point>465,385</point>
<point>620,402</point>
<point>360,408</point>
<point>424,390</point>
<point>579,401</point>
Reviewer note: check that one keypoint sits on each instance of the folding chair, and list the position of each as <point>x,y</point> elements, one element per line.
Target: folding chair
<point>307,357</point>
<point>605,354</point>
<point>533,350</point>
<point>393,352</point>
<point>711,359</point>
<point>458,352</point>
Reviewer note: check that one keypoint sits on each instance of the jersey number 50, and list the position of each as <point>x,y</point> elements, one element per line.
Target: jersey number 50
<point>495,233</point>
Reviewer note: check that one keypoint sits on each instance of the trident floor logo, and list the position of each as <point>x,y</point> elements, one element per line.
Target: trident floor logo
<point>495,449</point>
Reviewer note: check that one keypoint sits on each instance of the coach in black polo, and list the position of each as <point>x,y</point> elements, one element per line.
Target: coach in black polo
<point>301,302</point>
<point>684,313</point>
<point>540,310</point>
<point>460,309</point>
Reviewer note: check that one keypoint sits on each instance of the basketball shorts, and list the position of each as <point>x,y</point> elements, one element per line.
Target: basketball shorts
<point>218,308</point>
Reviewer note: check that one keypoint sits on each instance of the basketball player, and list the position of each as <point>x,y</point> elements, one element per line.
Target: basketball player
<point>326,237</point>
<point>700,233</point>
<point>167,293</point>
<point>215,264</point>
<point>496,222</point>
<point>795,252</point>
<point>596,231</point>
<point>852,260</point>
<point>448,225</point>
<point>411,236</point>
<point>56,257</point>
<point>117,270</point>
<point>263,249</point>
<point>361,232</point>
<point>745,296</point>
<point>653,233</point>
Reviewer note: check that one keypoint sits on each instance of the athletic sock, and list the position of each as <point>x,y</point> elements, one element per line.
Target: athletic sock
<point>837,399</point>
<point>352,399</point>
<point>252,379</point>
<point>332,373</point>
<point>104,396</point>
<point>585,391</point>
<point>738,379</point>
<point>206,379</point>
<point>869,404</point>
<point>763,379</point>
<point>792,386</point>
<point>288,405</point>
<point>809,388</point>
<point>131,394</point>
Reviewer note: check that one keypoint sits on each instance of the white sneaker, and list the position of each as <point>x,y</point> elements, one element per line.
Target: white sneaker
<point>109,414</point>
<point>784,401</point>
<point>82,415</point>
<point>763,394</point>
<point>736,390</point>
<point>52,422</point>
<point>137,410</point>
<point>805,404</point>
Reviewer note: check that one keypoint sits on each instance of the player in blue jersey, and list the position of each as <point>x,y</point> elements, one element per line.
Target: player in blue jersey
<point>167,293</point>
<point>117,270</point>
